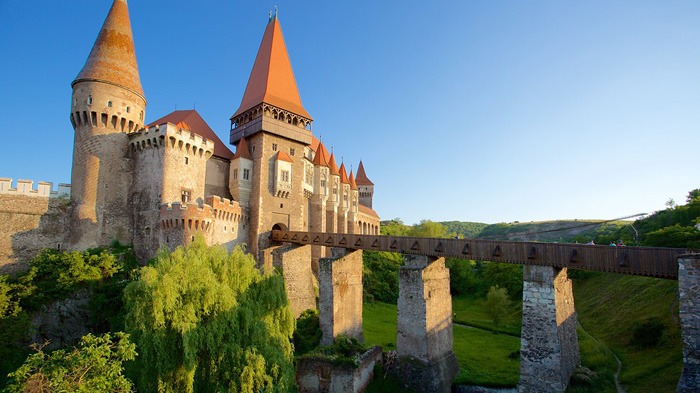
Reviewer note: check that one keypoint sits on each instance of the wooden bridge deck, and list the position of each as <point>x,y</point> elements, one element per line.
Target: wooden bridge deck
<point>640,261</point>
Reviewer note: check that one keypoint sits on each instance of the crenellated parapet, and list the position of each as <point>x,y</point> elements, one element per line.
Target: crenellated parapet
<point>181,223</point>
<point>168,135</point>
<point>225,210</point>
<point>26,187</point>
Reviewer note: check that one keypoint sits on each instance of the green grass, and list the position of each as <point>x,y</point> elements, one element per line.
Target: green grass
<point>482,355</point>
<point>596,356</point>
<point>470,311</point>
<point>609,305</point>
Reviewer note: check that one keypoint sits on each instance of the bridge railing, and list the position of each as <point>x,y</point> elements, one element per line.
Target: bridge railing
<point>640,261</point>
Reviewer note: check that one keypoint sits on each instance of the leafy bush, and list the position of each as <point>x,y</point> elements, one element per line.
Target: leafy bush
<point>207,320</point>
<point>344,351</point>
<point>648,334</point>
<point>95,366</point>
<point>307,335</point>
<point>497,305</point>
<point>380,275</point>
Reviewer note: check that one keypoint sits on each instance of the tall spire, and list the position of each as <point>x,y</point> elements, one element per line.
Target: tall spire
<point>272,79</point>
<point>361,178</point>
<point>113,59</point>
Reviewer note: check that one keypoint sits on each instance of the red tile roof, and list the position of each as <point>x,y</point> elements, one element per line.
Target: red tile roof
<point>183,126</point>
<point>197,125</point>
<point>344,174</point>
<point>321,157</point>
<point>366,210</point>
<point>113,58</point>
<point>314,143</point>
<point>361,178</point>
<point>242,150</point>
<point>353,185</point>
<point>272,79</point>
<point>282,156</point>
<point>333,166</point>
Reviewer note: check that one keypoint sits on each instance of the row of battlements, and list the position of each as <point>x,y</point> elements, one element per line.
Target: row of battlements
<point>225,209</point>
<point>170,135</point>
<point>26,187</point>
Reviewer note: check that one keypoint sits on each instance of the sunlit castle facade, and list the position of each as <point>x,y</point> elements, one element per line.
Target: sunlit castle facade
<point>164,182</point>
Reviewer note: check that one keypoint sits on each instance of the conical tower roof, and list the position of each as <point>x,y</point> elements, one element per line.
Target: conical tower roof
<point>272,79</point>
<point>242,150</point>
<point>362,176</point>
<point>344,174</point>
<point>353,185</point>
<point>113,58</point>
<point>321,157</point>
<point>333,166</point>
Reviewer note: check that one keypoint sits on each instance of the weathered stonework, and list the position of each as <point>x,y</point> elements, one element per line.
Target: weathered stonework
<point>340,295</point>
<point>319,375</point>
<point>424,329</point>
<point>29,224</point>
<point>689,309</point>
<point>549,344</point>
<point>294,261</point>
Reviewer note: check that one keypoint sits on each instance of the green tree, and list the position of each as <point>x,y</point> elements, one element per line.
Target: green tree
<point>95,366</point>
<point>497,305</point>
<point>427,228</point>
<point>206,320</point>
<point>693,195</point>
<point>504,275</point>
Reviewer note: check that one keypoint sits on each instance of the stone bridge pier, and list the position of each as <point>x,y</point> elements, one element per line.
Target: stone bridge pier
<point>549,344</point>
<point>340,295</point>
<point>689,309</point>
<point>295,263</point>
<point>425,361</point>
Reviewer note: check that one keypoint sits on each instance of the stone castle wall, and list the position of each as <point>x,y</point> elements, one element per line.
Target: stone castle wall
<point>29,224</point>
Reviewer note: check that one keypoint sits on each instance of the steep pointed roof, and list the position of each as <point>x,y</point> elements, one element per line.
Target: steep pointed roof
<point>362,176</point>
<point>353,185</point>
<point>242,150</point>
<point>333,166</point>
<point>272,79</point>
<point>314,143</point>
<point>282,156</point>
<point>344,174</point>
<point>113,58</point>
<point>321,157</point>
<point>192,120</point>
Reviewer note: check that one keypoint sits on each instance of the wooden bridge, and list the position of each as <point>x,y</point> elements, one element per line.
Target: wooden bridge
<point>640,261</point>
<point>549,347</point>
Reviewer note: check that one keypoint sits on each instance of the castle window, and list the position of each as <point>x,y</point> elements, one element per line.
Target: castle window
<point>235,174</point>
<point>285,176</point>
<point>109,104</point>
<point>89,100</point>
<point>185,196</point>
<point>141,115</point>
<point>246,174</point>
<point>323,184</point>
<point>75,102</point>
<point>224,228</point>
<point>291,151</point>
<point>274,147</point>
<point>345,197</point>
<point>147,231</point>
<point>128,110</point>
<point>187,160</point>
<point>335,191</point>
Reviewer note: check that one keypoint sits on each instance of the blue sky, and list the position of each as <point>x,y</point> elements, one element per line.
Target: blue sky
<point>490,111</point>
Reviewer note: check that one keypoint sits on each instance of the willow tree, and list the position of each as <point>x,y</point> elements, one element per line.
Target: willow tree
<point>206,320</point>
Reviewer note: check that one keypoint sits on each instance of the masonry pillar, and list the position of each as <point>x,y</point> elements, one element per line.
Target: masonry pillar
<point>340,295</point>
<point>549,344</point>
<point>293,260</point>
<point>318,224</point>
<point>424,329</point>
<point>689,309</point>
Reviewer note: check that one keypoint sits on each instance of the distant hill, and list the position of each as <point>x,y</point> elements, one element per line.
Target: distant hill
<point>464,228</point>
<point>563,231</point>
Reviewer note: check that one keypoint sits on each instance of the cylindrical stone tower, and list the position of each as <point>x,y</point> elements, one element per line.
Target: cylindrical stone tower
<point>107,104</point>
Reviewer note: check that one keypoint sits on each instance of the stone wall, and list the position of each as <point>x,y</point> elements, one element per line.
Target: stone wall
<point>689,310</point>
<point>320,375</point>
<point>216,180</point>
<point>549,344</point>
<point>340,295</point>
<point>29,224</point>
<point>295,263</point>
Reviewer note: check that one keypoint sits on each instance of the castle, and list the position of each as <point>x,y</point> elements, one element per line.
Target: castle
<point>162,183</point>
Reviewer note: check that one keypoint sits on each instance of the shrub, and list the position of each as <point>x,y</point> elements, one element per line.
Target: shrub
<point>307,335</point>
<point>648,334</point>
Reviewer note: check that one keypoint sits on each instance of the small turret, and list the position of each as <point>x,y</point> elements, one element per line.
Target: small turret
<point>240,181</point>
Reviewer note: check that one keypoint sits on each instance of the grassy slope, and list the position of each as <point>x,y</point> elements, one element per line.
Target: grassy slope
<point>482,356</point>
<point>608,305</point>
<point>469,311</point>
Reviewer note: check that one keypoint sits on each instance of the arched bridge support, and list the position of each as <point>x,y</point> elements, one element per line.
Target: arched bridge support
<point>549,345</point>
<point>295,263</point>
<point>426,361</point>
<point>340,295</point>
<point>689,309</point>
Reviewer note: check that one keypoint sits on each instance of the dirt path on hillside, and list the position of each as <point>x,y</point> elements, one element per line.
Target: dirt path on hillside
<point>618,387</point>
